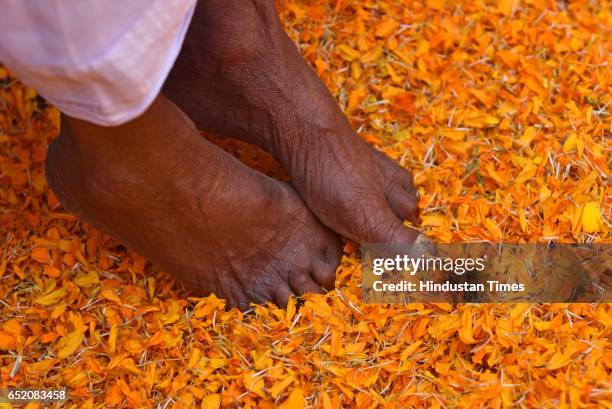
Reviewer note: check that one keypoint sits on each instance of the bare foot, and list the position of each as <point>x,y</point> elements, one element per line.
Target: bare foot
<point>240,75</point>
<point>182,202</point>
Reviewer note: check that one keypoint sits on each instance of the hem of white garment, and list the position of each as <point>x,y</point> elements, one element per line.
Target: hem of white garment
<point>127,112</point>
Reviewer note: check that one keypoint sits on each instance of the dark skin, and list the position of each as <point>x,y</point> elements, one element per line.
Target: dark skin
<point>219,226</point>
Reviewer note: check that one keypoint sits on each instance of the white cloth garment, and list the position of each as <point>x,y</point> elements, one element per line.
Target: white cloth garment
<point>103,61</point>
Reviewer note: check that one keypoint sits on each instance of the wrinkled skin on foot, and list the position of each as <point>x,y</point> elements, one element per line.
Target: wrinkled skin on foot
<point>219,226</point>
<point>240,75</point>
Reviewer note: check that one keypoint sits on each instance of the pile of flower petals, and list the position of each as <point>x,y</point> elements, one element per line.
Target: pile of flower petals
<point>502,112</point>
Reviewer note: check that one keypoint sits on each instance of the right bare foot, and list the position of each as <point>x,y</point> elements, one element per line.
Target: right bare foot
<point>183,203</point>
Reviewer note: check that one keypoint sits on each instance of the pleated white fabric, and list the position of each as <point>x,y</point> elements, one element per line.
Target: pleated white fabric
<point>103,61</point>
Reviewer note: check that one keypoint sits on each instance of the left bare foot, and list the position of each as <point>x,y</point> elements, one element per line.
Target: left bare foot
<point>240,75</point>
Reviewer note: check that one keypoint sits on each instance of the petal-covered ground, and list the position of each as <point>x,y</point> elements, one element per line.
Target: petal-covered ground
<point>502,112</point>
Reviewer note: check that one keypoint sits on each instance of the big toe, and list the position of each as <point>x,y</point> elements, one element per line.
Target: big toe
<point>323,269</point>
<point>302,283</point>
<point>311,266</point>
<point>400,190</point>
<point>320,274</point>
<point>403,202</point>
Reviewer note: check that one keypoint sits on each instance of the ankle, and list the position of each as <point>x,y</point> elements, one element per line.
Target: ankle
<point>62,172</point>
